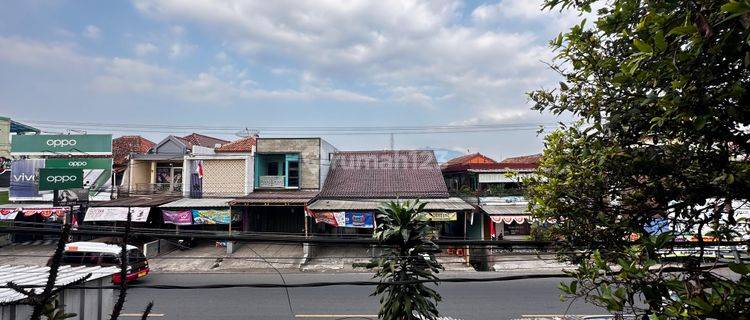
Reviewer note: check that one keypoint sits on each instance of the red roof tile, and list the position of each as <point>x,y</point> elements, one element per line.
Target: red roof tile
<point>241,145</point>
<point>529,162</point>
<point>196,139</point>
<point>469,158</point>
<point>384,174</point>
<point>125,145</point>
<point>530,159</point>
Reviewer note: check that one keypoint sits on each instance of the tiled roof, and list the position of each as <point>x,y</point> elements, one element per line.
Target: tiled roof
<point>530,162</point>
<point>241,145</point>
<point>440,204</point>
<point>468,159</point>
<point>196,139</point>
<point>384,174</point>
<point>125,145</point>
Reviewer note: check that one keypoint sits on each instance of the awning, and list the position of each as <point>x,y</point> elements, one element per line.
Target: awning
<point>138,201</point>
<point>10,212</point>
<point>441,204</point>
<point>275,198</point>
<point>506,209</point>
<point>197,203</point>
<point>137,214</point>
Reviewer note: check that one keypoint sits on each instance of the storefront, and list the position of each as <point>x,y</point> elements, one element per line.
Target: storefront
<point>274,211</point>
<point>199,214</point>
<point>144,211</point>
<point>510,221</point>
<point>32,215</point>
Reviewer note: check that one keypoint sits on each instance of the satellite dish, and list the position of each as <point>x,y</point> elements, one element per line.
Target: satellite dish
<point>244,133</point>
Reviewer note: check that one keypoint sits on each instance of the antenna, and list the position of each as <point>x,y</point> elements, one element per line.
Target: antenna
<point>244,133</point>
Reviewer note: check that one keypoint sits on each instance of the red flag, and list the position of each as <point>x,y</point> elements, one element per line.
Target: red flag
<point>200,169</point>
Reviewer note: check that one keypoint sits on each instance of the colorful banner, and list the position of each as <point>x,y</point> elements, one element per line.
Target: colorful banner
<point>178,217</point>
<point>137,214</point>
<point>45,213</point>
<point>441,216</point>
<point>75,144</point>
<point>334,218</point>
<point>211,216</point>
<point>359,220</point>
<point>8,213</point>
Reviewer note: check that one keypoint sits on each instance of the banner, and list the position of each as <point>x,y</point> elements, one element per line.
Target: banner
<point>178,217</point>
<point>8,213</point>
<point>359,220</point>
<point>137,214</point>
<point>440,216</point>
<point>73,144</point>
<point>97,176</point>
<point>45,213</point>
<point>211,216</point>
<point>24,181</point>
<point>336,219</point>
<point>60,179</point>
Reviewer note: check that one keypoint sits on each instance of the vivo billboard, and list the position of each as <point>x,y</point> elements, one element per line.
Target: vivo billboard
<point>71,144</point>
<point>24,181</point>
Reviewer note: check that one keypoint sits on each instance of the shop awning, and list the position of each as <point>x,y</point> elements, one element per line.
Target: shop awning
<point>138,201</point>
<point>275,198</point>
<point>197,203</point>
<point>11,211</point>
<point>441,204</point>
<point>507,219</point>
<point>137,214</point>
<point>506,209</point>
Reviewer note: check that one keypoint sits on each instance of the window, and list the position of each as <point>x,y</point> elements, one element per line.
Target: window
<point>272,168</point>
<point>72,258</point>
<point>293,178</point>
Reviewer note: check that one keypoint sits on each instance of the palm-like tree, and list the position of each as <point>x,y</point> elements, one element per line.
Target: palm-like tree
<point>409,261</point>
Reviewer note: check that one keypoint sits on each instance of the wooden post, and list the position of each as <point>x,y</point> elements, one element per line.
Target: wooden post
<point>304,213</point>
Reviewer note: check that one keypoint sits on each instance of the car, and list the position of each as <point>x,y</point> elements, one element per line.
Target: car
<point>106,255</point>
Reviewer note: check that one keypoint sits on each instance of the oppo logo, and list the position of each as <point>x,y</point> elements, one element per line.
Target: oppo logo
<point>61,142</point>
<point>59,179</point>
<point>76,164</point>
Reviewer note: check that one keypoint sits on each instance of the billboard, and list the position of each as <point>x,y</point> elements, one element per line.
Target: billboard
<point>60,179</point>
<point>24,181</point>
<point>97,177</point>
<point>71,144</point>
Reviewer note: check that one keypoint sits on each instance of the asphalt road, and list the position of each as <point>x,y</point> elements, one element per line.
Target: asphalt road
<point>493,300</point>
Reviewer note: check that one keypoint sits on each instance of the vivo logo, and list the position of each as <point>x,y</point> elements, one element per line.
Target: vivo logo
<point>59,179</point>
<point>61,142</point>
<point>76,164</point>
<point>23,177</point>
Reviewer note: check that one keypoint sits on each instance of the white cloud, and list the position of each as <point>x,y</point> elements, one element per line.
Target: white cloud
<point>92,32</point>
<point>397,47</point>
<point>145,48</point>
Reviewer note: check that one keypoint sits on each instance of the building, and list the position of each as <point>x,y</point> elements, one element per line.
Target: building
<point>161,169</point>
<point>86,304</point>
<point>361,181</point>
<point>287,174</point>
<point>122,148</point>
<point>479,175</point>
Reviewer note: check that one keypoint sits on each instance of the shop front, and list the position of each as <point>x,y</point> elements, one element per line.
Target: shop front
<point>144,212</point>
<point>212,214</point>
<point>274,211</point>
<point>32,215</point>
<point>508,221</point>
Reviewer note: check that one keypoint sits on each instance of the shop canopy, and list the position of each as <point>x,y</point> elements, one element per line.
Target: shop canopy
<point>275,198</point>
<point>439,204</point>
<point>11,211</point>
<point>197,203</point>
<point>508,212</point>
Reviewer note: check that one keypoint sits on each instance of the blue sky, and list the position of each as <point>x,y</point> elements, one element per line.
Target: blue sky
<point>283,63</point>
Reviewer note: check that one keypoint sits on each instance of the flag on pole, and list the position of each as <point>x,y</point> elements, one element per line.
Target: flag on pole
<point>199,169</point>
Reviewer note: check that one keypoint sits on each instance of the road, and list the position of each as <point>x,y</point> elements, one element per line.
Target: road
<point>469,301</point>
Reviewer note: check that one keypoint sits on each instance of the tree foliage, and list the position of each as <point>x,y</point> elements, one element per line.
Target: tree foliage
<point>411,258</point>
<point>662,91</point>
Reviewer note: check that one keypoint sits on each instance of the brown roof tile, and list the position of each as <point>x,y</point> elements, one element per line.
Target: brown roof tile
<point>384,174</point>
<point>125,145</point>
<point>196,139</point>
<point>241,145</point>
<point>529,162</point>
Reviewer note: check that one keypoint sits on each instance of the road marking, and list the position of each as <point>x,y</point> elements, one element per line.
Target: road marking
<point>563,315</point>
<point>141,315</point>
<point>335,316</point>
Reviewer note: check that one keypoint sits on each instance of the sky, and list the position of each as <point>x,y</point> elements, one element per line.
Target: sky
<point>265,64</point>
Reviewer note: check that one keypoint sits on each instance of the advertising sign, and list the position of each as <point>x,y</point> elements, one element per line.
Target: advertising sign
<point>97,176</point>
<point>359,219</point>
<point>60,179</point>
<point>441,216</point>
<point>24,181</point>
<point>178,217</point>
<point>212,216</point>
<point>72,144</point>
<point>137,214</point>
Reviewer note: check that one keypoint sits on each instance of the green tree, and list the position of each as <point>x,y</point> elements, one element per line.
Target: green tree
<point>661,89</point>
<point>410,260</point>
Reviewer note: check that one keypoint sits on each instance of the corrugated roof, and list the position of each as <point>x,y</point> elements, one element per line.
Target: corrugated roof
<point>197,203</point>
<point>384,174</point>
<point>298,197</point>
<point>444,204</point>
<point>36,275</point>
<point>137,201</point>
<point>506,209</point>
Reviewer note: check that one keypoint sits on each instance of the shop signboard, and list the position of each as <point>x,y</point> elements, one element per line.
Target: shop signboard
<point>348,219</point>
<point>70,144</point>
<point>441,216</point>
<point>24,181</point>
<point>211,216</point>
<point>359,219</point>
<point>97,176</point>
<point>60,179</point>
<point>178,217</point>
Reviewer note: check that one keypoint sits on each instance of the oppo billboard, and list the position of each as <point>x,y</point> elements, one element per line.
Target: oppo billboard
<point>70,144</point>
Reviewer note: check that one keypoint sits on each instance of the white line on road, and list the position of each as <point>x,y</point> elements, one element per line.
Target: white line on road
<point>141,315</point>
<point>335,316</point>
